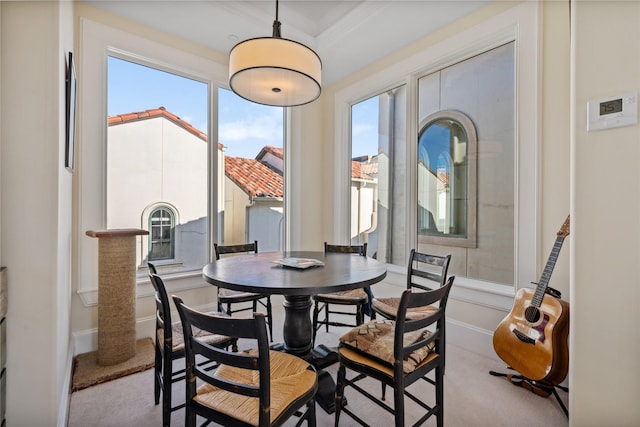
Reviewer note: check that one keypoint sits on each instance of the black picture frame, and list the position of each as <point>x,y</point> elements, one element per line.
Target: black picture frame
<point>70,89</point>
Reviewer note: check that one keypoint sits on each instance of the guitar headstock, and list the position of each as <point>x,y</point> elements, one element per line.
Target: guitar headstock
<point>564,230</point>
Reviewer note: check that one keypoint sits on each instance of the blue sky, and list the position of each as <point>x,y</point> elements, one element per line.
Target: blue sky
<point>364,128</point>
<point>244,127</point>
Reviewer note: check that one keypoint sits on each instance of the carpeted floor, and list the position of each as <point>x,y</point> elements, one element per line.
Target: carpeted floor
<point>87,372</point>
<point>472,398</point>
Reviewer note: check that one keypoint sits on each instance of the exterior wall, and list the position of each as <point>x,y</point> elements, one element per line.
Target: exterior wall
<point>246,220</point>
<point>266,223</point>
<point>274,161</point>
<point>362,202</point>
<point>236,204</point>
<point>154,162</point>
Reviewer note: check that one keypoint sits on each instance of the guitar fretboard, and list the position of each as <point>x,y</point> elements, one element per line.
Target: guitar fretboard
<point>536,301</point>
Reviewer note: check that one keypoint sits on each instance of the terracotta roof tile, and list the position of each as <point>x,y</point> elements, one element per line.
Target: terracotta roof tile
<point>257,179</point>
<point>157,112</point>
<point>356,170</point>
<point>363,170</point>
<point>370,168</point>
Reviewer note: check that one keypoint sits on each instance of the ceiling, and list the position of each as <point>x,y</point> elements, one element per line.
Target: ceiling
<point>347,34</point>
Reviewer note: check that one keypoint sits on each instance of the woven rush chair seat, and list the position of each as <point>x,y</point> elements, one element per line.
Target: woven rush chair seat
<point>388,307</point>
<point>227,298</point>
<point>291,379</point>
<point>237,296</point>
<point>349,296</point>
<point>356,297</point>
<point>260,387</point>
<point>357,357</point>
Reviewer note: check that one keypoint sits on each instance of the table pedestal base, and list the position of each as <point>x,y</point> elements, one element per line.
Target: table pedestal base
<point>297,329</point>
<point>298,340</point>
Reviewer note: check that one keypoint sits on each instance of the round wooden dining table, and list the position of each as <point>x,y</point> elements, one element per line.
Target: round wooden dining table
<point>261,273</point>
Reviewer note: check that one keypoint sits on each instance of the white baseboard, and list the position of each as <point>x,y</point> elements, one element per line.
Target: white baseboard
<point>87,341</point>
<point>65,393</point>
<point>471,338</point>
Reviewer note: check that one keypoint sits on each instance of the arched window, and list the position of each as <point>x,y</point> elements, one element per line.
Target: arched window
<point>162,224</point>
<point>447,146</point>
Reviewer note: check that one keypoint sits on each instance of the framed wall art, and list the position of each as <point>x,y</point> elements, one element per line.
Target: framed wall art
<point>70,84</point>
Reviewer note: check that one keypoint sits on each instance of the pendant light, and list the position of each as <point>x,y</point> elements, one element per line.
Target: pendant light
<point>275,71</point>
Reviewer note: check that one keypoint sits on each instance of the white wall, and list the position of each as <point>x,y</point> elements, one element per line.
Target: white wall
<point>36,212</point>
<point>605,208</point>
<point>99,31</point>
<point>605,384</point>
<point>305,175</point>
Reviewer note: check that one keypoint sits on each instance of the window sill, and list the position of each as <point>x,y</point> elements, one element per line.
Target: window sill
<point>487,294</point>
<point>175,282</point>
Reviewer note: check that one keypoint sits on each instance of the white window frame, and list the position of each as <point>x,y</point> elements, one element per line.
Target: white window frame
<point>97,42</point>
<point>519,24</point>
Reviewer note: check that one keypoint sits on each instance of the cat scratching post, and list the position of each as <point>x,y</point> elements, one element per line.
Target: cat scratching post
<point>116,294</point>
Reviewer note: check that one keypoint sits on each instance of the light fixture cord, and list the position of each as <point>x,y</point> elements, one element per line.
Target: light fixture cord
<point>276,24</point>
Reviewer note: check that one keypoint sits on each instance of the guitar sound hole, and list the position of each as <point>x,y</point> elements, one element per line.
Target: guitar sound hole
<point>532,314</point>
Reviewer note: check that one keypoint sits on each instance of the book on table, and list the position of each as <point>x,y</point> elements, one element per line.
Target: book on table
<point>299,262</point>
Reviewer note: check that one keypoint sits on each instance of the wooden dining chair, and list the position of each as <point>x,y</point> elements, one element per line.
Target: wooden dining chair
<point>259,387</point>
<point>424,272</point>
<point>397,353</point>
<point>169,347</point>
<point>230,298</point>
<point>355,297</point>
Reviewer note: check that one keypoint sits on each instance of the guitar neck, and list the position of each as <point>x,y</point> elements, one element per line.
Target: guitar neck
<point>536,301</point>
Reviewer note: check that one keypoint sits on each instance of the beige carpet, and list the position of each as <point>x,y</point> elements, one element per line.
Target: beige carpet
<point>87,372</point>
<point>472,397</point>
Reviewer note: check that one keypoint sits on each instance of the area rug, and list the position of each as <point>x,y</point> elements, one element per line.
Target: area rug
<point>87,372</point>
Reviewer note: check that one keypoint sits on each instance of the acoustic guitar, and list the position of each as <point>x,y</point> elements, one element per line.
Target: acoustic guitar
<point>532,339</point>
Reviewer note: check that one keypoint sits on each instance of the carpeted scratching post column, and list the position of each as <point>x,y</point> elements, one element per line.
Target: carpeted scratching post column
<point>116,294</point>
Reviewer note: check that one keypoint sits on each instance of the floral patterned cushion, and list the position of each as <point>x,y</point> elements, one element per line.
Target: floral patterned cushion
<point>375,339</point>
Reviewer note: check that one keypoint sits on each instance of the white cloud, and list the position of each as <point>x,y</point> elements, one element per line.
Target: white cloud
<point>264,127</point>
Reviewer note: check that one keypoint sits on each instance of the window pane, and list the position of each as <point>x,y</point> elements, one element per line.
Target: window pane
<point>443,179</point>
<point>474,96</point>
<point>162,235</point>
<point>378,150</point>
<point>157,151</point>
<point>251,204</point>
